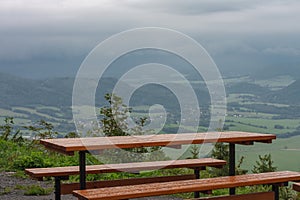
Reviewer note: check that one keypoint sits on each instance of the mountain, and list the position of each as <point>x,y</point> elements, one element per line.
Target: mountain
<point>57,92</point>
<point>244,87</point>
<point>16,91</point>
<point>289,95</point>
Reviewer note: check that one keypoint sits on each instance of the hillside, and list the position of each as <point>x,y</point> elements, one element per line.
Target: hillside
<point>288,95</point>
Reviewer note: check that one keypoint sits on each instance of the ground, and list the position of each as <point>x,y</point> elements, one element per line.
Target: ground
<point>9,183</point>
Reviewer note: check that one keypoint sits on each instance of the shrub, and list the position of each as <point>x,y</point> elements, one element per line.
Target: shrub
<point>33,160</point>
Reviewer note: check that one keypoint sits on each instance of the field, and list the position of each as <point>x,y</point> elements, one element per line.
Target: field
<point>285,153</point>
<point>262,125</point>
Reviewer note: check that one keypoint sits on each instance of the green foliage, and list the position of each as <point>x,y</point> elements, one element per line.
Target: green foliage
<point>238,167</point>
<point>72,135</point>
<point>264,164</point>
<point>287,193</point>
<point>34,190</point>
<point>7,131</point>
<point>221,151</point>
<point>6,190</point>
<point>114,122</point>
<point>42,130</point>
<point>33,160</point>
<point>114,116</point>
<point>195,150</point>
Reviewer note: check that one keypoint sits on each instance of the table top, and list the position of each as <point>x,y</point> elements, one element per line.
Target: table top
<point>70,145</point>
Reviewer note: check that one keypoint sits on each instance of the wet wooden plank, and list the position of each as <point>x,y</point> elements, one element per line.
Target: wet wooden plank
<point>69,188</point>
<point>98,143</point>
<point>253,196</point>
<point>155,189</point>
<point>296,187</point>
<point>125,167</point>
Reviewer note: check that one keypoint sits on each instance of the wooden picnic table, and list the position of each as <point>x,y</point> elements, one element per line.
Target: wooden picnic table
<point>83,145</point>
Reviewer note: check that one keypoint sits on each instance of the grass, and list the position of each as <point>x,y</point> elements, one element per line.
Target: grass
<point>34,190</point>
<point>33,111</point>
<point>6,190</point>
<point>285,153</point>
<point>276,83</point>
<point>249,124</point>
<point>9,113</point>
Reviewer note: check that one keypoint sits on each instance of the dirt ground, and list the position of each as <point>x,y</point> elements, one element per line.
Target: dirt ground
<point>9,183</point>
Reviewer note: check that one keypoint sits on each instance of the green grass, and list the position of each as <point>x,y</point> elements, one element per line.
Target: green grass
<point>9,113</point>
<point>34,190</point>
<point>289,125</point>
<point>285,153</point>
<point>48,107</point>
<point>33,111</point>
<point>276,82</point>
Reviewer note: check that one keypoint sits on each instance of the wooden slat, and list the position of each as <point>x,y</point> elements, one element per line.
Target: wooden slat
<point>155,189</point>
<point>69,188</point>
<point>296,187</point>
<point>253,196</point>
<point>98,143</point>
<point>125,167</point>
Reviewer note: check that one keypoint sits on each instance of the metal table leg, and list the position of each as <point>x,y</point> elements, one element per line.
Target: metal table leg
<point>82,168</point>
<point>232,165</point>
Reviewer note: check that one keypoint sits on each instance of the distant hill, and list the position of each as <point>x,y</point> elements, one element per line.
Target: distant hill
<point>249,88</point>
<point>289,95</point>
<point>16,91</point>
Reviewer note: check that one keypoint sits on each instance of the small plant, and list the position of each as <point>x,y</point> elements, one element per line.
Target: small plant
<point>7,131</point>
<point>6,190</point>
<point>42,130</point>
<point>264,164</point>
<point>195,150</point>
<point>221,151</point>
<point>34,190</point>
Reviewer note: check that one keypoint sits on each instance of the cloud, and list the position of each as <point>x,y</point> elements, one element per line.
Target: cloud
<point>286,51</point>
<point>62,29</point>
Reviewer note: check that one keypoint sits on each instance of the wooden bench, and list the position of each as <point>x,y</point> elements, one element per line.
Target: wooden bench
<point>156,189</point>
<point>296,187</point>
<point>253,196</point>
<point>62,173</point>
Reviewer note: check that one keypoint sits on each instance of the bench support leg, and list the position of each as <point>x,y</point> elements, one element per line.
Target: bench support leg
<point>82,168</point>
<point>275,189</point>
<point>57,188</point>
<point>197,175</point>
<point>232,165</point>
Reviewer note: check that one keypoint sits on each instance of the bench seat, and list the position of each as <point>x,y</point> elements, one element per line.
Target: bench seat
<point>125,167</point>
<point>62,173</point>
<point>156,189</point>
<point>296,187</point>
<point>252,196</point>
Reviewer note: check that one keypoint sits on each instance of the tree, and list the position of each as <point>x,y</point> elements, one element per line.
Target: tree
<point>42,130</point>
<point>7,131</point>
<point>221,151</point>
<point>264,164</point>
<point>114,116</point>
<point>114,122</point>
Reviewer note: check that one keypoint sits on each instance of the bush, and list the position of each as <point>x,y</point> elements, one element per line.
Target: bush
<point>33,160</point>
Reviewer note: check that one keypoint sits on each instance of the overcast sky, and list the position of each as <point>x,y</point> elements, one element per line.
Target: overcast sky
<point>52,37</point>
